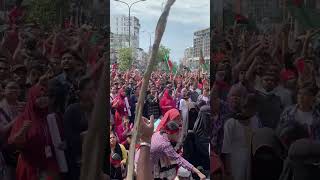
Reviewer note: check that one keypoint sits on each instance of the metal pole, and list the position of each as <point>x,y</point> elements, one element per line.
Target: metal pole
<point>130,26</point>
<point>129,6</point>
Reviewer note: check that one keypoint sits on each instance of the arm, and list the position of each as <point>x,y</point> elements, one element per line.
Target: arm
<point>124,154</point>
<point>244,61</point>
<point>144,170</point>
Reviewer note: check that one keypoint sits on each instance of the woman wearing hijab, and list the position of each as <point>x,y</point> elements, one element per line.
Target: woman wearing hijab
<point>30,135</point>
<point>121,114</point>
<point>167,102</point>
<point>203,132</point>
<point>303,161</point>
<point>163,156</point>
<point>267,155</point>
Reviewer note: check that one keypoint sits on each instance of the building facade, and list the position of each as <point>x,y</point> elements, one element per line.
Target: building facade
<point>201,42</point>
<point>120,29</point>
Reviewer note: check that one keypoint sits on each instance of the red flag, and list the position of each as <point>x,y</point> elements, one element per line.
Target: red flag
<point>298,3</point>
<point>170,64</point>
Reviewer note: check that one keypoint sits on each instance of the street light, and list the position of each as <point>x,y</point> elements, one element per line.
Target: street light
<point>150,35</point>
<point>129,6</point>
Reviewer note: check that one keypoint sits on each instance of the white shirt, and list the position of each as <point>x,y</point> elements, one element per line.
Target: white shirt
<point>235,144</point>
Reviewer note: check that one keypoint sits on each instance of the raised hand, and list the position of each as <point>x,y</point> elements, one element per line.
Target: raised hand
<point>146,129</point>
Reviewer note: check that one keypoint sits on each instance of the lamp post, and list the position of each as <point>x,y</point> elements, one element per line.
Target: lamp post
<point>150,35</point>
<point>129,7</point>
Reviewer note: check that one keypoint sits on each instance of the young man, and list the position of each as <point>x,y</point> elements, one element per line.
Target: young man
<point>68,76</point>
<point>269,104</point>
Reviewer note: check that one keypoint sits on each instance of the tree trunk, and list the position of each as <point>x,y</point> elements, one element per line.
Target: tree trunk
<point>161,26</point>
<point>96,138</point>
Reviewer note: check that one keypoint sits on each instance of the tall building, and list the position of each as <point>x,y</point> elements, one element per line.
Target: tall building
<point>120,29</point>
<point>201,42</point>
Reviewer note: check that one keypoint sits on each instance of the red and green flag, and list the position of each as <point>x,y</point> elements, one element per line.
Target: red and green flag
<point>202,62</point>
<point>170,66</point>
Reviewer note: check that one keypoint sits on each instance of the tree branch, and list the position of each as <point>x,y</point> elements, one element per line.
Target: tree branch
<point>161,26</point>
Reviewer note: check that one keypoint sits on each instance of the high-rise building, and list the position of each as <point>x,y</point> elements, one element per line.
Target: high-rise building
<point>201,42</point>
<point>120,29</point>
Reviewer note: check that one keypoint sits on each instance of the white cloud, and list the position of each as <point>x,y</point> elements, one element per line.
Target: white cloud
<point>183,11</point>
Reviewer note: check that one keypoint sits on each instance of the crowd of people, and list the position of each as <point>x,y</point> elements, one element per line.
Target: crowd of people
<point>47,89</point>
<point>265,104</point>
<point>180,108</point>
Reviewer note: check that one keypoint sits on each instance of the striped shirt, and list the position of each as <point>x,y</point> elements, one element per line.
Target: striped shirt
<point>161,147</point>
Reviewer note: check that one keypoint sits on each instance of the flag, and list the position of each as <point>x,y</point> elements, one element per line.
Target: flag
<point>307,17</point>
<point>202,62</point>
<point>240,19</point>
<point>170,66</point>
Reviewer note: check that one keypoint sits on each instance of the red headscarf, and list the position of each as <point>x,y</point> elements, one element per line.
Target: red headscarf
<point>32,156</point>
<point>167,100</point>
<point>169,116</point>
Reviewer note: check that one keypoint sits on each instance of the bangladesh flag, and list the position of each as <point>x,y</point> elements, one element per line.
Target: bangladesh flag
<point>307,17</point>
<point>202,62</point>
<point>170,66</point>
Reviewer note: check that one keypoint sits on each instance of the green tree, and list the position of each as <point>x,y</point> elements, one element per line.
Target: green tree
<point>125,58</point>
<point>47,13</point>
<point>160,56</point>
<point>162,52</point>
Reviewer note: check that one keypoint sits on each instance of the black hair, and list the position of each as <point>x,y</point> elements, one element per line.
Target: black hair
<point>73,53</point>
<point>172,126</point>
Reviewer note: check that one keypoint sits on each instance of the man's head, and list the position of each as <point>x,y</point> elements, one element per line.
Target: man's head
<point>19,73</point>
<point>306,96</point>
<point>12,91</point>
<point>70,61</point>
<point>114,90</point>
<point>153,90</point>
<point>268,82</point>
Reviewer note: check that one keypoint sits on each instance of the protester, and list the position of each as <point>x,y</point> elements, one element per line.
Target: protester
<point>30,135</point>
<point>118,158</point>
<point>163,152</point>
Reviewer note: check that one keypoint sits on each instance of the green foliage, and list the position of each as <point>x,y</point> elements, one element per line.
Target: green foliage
<point>162,52</point>
<point>47,13</point>
<point>125,58</point>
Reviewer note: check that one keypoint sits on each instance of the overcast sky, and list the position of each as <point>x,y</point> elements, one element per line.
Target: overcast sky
<point>186,17</point>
